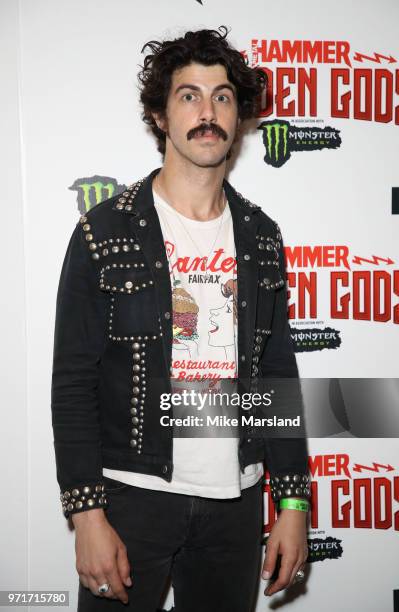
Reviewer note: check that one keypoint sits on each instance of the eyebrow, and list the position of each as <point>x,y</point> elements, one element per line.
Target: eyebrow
<point>196,88</point>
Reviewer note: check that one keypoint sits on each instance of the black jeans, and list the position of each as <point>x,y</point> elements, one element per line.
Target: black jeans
<point>211,549</point>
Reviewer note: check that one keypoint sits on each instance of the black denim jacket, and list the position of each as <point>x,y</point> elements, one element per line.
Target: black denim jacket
<point>113,346</point>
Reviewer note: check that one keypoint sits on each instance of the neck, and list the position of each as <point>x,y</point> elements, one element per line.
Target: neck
<point>193,191</point>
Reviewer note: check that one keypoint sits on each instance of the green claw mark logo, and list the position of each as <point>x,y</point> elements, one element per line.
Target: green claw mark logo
<point>280,138</point>
<point>275,139</point>
<point>95,189</point>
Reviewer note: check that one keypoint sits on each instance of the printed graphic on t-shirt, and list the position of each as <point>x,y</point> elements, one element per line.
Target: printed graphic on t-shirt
<point>218,315</point>
<point>185,321</point>
<point>220,318</point>
<point>204,296</point>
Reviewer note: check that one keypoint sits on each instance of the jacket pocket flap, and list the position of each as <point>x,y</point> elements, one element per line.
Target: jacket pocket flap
<point>269,276</point>
<point>125,278</point>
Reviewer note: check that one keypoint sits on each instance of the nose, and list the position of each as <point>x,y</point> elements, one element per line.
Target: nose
<point>207,113</point>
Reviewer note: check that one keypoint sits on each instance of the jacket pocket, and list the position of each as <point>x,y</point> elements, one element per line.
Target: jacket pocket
<point>269,263</point>
<point>133,304</point>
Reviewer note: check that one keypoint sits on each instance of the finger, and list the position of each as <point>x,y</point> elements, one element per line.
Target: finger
<point>117,586</point>
<point>298,566</point>
<point>301,561</point>
<point>110,594</point>
<point>270,561</point>
<point>283,578</point>
<point>84,580</point>
<point>123,566</point>
<point>94,583</point>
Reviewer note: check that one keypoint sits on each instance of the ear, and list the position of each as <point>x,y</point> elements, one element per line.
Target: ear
<point>237,134</point>
<point>160,121</point>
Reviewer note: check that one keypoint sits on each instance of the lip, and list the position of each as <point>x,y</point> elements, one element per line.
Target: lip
<point>212,331</point>
<point>207,134</point>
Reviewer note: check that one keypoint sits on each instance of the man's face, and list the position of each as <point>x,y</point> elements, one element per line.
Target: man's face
<point>200,96</point>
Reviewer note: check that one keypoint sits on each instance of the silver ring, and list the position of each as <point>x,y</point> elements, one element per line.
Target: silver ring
<point>103,588</point>
<point>299,576</point>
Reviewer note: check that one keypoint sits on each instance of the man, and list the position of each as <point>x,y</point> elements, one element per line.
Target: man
<point>178,278</point>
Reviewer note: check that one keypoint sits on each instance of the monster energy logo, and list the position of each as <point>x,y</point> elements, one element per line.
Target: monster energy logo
<point>95,189</point>
<point>275,139</point>
<point>280,139</point>
<point>315,339</point>
<point>273,131</point>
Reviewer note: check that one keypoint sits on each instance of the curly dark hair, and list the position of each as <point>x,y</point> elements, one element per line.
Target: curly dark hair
<point>207,47</point>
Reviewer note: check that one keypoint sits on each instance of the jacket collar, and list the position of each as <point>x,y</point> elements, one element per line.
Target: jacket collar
<point>138,198</point>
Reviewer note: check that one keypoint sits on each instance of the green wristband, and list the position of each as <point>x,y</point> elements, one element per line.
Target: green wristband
<point>294,504</point>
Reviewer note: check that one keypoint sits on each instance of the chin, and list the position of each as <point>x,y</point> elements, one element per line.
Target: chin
<point>210,162</point>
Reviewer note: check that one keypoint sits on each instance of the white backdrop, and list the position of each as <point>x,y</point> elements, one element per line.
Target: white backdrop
<point>70,112</point>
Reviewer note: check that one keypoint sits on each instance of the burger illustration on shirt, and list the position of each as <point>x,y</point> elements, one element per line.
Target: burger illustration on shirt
<point>185,320</point>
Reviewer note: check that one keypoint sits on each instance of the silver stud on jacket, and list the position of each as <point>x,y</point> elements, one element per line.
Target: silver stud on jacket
<point>260,335</point>
<point>125,200</point>
<point>83,498</point>
<point>138,396</point>
<point>290,485</point>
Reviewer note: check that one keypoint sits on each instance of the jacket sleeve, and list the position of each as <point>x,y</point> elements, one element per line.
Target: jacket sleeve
<point>286,457</point>
<point>79,338</point>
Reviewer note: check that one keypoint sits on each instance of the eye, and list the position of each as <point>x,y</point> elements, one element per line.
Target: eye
<point>226,98</point>
<point>188,97</point>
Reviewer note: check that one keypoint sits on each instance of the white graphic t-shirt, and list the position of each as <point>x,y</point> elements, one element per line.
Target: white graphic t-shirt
<point>202,268</point>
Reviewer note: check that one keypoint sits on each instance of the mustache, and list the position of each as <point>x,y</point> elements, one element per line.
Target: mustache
<point>212,127</point>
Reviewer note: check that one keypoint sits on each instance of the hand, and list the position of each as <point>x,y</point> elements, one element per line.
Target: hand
<point>101,556</point>
<point>288,537</point>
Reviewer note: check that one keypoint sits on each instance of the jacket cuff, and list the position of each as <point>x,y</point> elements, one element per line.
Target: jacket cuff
<point>290,485</point>
<point>85,497</point>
